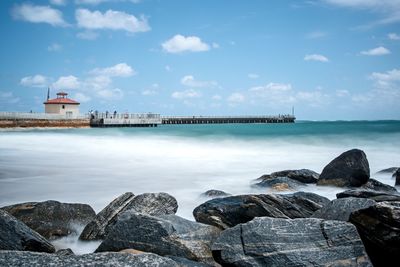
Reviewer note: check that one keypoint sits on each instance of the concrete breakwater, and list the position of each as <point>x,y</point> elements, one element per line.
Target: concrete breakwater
<point>25,123</point>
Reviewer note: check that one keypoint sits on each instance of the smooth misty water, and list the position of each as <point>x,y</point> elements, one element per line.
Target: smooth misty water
<point>94,166</point>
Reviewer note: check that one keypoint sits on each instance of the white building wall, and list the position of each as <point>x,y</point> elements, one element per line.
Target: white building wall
<point>62,109</point>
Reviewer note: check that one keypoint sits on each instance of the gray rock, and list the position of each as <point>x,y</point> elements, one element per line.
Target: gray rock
<point>52,219</point>
<point>65,252</point>
<point>397,176</point>
<point>298,242</point>
<point>375,185</point>
<point>182,262</point>
<point>230,211</point>
<point>163,235</point>
<point>303,175</point>
<point>340,209</point>
<point>215,193</point>
<point>371,194</point>
<point>111,259</point>
<point>15,235</point>
<point>149,203</point>
<point>389,170</point>
<point>280,183</point>
<point>349,169</point>
<point>379,228</point>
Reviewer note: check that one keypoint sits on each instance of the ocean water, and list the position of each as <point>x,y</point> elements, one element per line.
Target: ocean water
<point>94,166</point>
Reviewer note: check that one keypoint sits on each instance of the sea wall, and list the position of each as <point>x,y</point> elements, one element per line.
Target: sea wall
<point>24,123</point>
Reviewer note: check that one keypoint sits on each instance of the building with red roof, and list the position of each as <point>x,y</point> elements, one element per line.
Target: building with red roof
<point>62,105</point>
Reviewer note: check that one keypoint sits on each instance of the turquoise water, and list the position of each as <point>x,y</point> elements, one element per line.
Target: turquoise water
<point>95,165</point>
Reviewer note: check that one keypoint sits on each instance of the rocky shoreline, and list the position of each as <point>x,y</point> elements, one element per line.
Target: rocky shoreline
<point>359,228</point>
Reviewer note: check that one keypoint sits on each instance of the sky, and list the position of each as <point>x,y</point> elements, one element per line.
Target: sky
<point>329,59</point>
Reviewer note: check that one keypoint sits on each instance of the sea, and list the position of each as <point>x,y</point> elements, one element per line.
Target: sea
<point>96,165</point>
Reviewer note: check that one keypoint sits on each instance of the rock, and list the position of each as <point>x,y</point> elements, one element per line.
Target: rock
<point>230,211</point>
<point>303,175</point>
<point>15,235</point>
<point>397,176</point>
<point>52,219</point>
<point>374,195</point>
<point>149,203</point>
<point>349,169</point>
<point>298,242</point>
<point>280,183</point>
<point>65,252</point>
<point>110,259</point>
<point>375,185</point>
<point>187,263</point>
<point>131,251</point>
<point>340,209</point>
<point>389,170</point>
<point>215,193</point>
<point>163,235</point>
<point>379,228</point>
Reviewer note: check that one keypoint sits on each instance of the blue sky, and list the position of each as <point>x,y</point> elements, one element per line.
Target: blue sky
<point>330,59</point>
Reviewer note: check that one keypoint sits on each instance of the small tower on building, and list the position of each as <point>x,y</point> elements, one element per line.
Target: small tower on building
<point>62,105</point>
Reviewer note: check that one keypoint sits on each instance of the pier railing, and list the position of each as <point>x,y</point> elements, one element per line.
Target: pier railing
<point>39,116</point>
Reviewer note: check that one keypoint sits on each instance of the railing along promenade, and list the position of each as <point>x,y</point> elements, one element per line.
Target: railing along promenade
<point>39,116</point>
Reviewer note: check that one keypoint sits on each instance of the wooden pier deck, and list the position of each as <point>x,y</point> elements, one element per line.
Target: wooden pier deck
<point>153,120</point>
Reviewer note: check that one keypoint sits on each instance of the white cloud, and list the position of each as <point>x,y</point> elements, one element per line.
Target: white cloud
<point>316,35</point>
<point>87,35</point>
<point>316,57</point>
<point>386,80</point>
<point>54,47</point>
<point>38,14</point>
<point>190,81</point>
<point>97,2</point>
<point>271,88</point>
<point>110,94</point>
<point>342,93</point>
<point>112,20</point>
<point>148,92</point>
<point>82,97</point>
<point>58,2</point>
<point>215,45</point>
<point>378,51</point>
<point>98,82</point>
<point>313,98</point>
<point>180,43</point>
<point>35,81</point>
<point>66,83</point>
<point>119,70</point>
<point>216,97</point>
<point>168,68</point>
<point>394,36</point>
<point>185,94</point>
<point>236,98</point>
<point>253,76</point>
<point>8,98</point>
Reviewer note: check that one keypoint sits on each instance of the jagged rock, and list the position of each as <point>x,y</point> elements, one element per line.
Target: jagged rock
<point>215,193</point>
<point>349,169</point>
<point>65,252</point>
<point>298,242</point>
<point>52,219</point>
<point>375,185</point>
<point>379,228</point>
<point>230,211</point>
<point>182,262</point>
<point>110,259</point>
<point>374,195</point>
<point>15,235</point>
<point>340,209</point>
<point>389,170</point>
<point>397,176</point>
<point>149,203</point>
<point>280,183</point>
<point>303,175</point>
<point>163,235</point>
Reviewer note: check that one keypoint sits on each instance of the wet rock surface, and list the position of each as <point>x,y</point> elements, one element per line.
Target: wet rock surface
<point>52,219</point>
<point>215,193</point>
<point>371,194</point>
<point>375,185</point>
<point>15,235</point>
<point>230,211</point>
<point>283,242</point>
<point>350,169</point>
<point>302,175</point>
<point>163,235</point>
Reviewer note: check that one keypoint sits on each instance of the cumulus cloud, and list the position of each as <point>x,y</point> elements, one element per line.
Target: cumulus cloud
<point>253,76</point>
<point>216,97</point>
<point>342,93</point>
<point>185,94</point>
<point>82,97</point>
<point>54,47</point>
<point>97,2</point>
<point>111,20</point>
<point>190,81</point>
<point>378,51</point>
<point>58,2</point>
<point>271,88</point>
<point>66,83</point>
<point>236,98</point>
<point>384,80</point>
<point>87,35</point>
<point>35,81</point>
<point>316,57</point>
<point>393,36</point>
<point>38,14</point>
<point>110,94</point>
<point>180,43</point>
<point>118,70</point>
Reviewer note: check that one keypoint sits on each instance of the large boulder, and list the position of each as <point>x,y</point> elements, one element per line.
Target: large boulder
<point>302,175</point>
<point>52,219</point>
<point>340,209</point>
<point>379,228</point>
<point>280,183</point>
<point>230,211</point>
<point>15,235</point>
<point>149,203</point>
<point>298,242</point>
<point>110,259</point>
<point>212,193</point>
<point>163,235</point>
<point>349,169</point>
<point>390,170</point>
<point>375,185</point>
<point>371,194</point>
<point>397,177</point>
